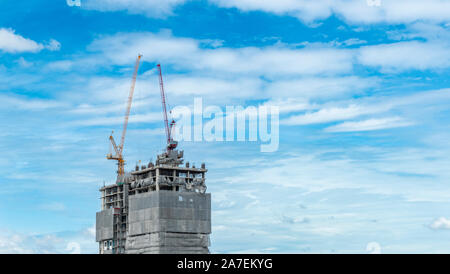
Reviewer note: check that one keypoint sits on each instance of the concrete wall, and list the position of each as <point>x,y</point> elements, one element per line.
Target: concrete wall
<point>166,242</point>
<point>169,222</point>
<point>169,211</point>
<point>104,225</point>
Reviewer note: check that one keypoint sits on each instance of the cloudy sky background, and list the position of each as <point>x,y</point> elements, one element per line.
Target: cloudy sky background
<point>363,91</point>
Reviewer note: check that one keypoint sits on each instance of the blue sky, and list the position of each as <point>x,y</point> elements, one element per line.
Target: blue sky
<point>363,91</point>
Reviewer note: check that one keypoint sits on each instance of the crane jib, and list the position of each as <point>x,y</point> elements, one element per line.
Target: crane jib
<point>171,144</point>
<point>119,149</point>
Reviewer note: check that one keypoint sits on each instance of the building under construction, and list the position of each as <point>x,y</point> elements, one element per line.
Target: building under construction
<point>161,207</point>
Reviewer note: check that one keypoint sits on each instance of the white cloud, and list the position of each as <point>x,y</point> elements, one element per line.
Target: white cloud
<point>350,42</point>
<point>310,70</point>
<point>370,124</point>
<point>290,104</point>
<point>53,243</point>
<point>14,245</point>
<point>281,62</point>
<point>305,10</point>
<point>90,231</point>
<point>354,11</point>
<point>330,114</point>
<point>29,103</point>
<point>186,53</point>
<point>398,11</point>
<point>320,87</point>
<point>53,206</point>
<point>117,120</point>
<point>402,56</point>
<point>371,169</point>
<point>440,223</point>
<point>53,45</point>
<point>323,116</point>
<point>429,31</point>
<point>274,61</point>
<point>213,88</point>
<point>14,43</point>
<point>343,110</point>
<point>63,65</point>
<point>150,8</point>
<point>23,63</point>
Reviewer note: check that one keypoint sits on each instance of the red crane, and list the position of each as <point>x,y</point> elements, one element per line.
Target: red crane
<point>119,149</point>
<point>171,144</point>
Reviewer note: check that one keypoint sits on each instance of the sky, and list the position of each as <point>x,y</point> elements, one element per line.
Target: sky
<point>362,88</point>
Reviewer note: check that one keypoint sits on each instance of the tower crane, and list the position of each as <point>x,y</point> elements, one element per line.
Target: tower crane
<point>119,148</point>
<point>171,144</point>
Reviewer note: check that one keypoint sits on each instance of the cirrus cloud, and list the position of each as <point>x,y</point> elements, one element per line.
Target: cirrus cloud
<point>369,124</point>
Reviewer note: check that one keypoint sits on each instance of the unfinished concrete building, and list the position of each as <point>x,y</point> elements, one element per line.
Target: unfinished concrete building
<point>159,208</point>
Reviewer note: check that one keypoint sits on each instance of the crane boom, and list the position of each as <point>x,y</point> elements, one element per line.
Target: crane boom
<point>171,144</point>
<point>130,99</point>
<point>163,100</point>
<point>119,149</point>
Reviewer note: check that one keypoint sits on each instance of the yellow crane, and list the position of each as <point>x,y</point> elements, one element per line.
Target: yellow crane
<point>119,148</point>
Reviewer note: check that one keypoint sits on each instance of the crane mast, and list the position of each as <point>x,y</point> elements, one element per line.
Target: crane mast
<point>171,144</point>
<point>119,149</point>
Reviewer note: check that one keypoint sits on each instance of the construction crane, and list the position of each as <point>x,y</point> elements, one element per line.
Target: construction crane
<point>119,148</point>
<point>171,144</point>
